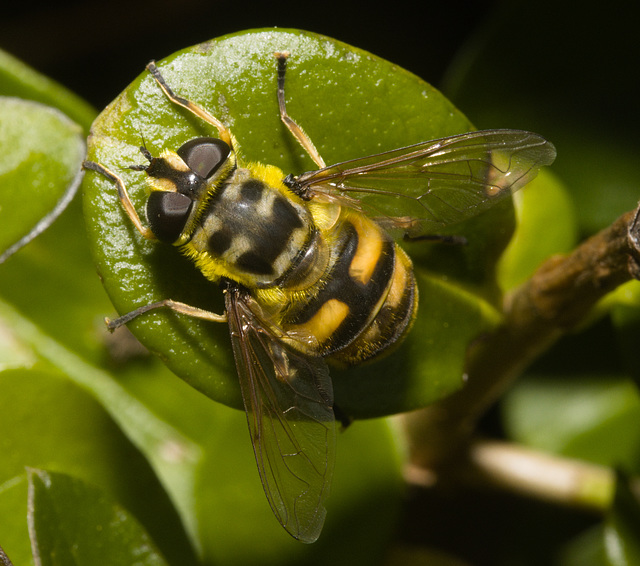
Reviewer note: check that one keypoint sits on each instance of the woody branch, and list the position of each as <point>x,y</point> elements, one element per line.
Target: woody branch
<point>560,294</point>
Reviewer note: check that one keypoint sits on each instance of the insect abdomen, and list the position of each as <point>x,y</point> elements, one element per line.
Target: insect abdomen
<point>368,297</point>
<point>392,320</point>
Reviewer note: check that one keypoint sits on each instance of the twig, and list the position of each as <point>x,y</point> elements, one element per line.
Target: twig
<point>559,295</point>
<point>531,473</point>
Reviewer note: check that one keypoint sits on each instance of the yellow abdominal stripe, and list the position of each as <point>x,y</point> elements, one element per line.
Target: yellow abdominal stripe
<point>369,249</point>
<point>400,279</point>
<point>325,322</point>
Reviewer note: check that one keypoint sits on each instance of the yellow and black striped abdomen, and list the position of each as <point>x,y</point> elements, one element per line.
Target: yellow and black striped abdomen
<point>367,298</point>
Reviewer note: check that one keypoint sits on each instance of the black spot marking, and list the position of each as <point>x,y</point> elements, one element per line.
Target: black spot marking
<point>220,241</point>
<point>285,214</point>
<point>252,190</point>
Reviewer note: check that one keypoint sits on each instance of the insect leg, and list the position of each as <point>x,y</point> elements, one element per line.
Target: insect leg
<point>223,131</point>
<point>344,419</point>
<point>175,306</point>
<point>296,130</point>
<point>123,195</point>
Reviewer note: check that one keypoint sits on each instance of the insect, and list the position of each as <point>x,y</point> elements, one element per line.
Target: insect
<point>310,270</point>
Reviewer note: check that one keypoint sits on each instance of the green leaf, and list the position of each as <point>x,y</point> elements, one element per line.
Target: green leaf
<point>21,81</point>
<point>48,421</point>
<point>578,417</point>
<point>42,151</point>
<point>71,522</point>
<point>236,524</point>
<point>351,103</point>
<point>547,225</point>
<point>621,540</point>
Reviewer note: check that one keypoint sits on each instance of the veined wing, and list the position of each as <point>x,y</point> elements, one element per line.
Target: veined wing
<point>432,184</point>
<point>288,398</point>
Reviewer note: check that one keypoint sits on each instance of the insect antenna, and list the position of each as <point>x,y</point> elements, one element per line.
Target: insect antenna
<point>145,152</point>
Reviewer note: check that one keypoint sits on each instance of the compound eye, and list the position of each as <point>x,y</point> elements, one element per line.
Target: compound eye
<point>204,155</point>
<point>167,213</point>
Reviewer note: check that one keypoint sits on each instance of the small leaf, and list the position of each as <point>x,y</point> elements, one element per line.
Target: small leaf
<point>42,151</point>
<point>71,522</point>
<point>352,104</point>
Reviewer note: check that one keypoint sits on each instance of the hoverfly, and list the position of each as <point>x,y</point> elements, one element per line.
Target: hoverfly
<point>310,271</point>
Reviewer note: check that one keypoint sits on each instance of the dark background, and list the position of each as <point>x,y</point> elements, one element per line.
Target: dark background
<point>97,48</point>
<point>562,69</point>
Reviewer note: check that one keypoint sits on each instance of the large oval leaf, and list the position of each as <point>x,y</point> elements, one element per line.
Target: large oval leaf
<point>352,104</point>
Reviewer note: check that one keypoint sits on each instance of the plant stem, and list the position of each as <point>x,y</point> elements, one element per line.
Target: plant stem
<point>558,296</point>
<point>528,472</point>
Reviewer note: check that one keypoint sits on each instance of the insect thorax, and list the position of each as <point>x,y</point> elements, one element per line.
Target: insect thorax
<point>250,231</point>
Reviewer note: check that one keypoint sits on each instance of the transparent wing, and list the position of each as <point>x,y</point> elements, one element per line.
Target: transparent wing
<point>436,183</point>
<point>288,398</point>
